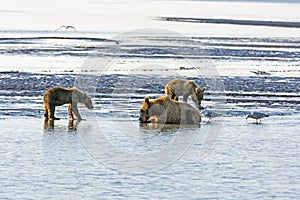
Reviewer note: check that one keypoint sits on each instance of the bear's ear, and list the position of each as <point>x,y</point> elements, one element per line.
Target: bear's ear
<point>197,90</point>
<point>147,100</point>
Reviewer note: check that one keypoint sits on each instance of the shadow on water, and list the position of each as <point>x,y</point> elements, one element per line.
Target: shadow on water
<point>50,125</point>
<point>145,127</point>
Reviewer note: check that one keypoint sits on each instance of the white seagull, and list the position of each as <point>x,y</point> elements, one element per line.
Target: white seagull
<point>257,116</point>
<point>66,27</point>
<point>210,114</point>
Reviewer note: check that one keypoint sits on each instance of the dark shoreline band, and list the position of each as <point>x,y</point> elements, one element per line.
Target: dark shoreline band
<point>283,24</point>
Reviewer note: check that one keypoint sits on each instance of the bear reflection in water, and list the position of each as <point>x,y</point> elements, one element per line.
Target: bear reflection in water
<point>164,110</point>
<point>144,127</point>
<point>59,96</point>
<point>49,124</point>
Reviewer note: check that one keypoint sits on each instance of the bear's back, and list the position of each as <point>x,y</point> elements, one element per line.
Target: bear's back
<point>59,95</point>
<point>175,86</point>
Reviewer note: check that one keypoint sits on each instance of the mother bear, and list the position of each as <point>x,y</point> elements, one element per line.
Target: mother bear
<point>164,110</point>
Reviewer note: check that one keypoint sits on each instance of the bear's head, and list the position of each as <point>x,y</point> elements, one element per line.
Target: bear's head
<point>87,101</point>
<point>197,97</point>
<point>81,97</point>
<point>144,111</point>
<point>151,110</point>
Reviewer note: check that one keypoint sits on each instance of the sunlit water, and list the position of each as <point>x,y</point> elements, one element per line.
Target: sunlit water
<point>248,161</point>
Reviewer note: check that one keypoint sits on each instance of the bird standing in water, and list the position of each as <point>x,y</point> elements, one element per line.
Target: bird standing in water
<point>257,116</point>
<point>210,114</point>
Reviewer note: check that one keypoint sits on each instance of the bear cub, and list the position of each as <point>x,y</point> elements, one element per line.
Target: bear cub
<point>58,96</point>
<point>178,87</point>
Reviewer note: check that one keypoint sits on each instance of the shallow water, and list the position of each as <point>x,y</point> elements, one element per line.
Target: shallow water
<point>251,161</point>
<point>112,156</point>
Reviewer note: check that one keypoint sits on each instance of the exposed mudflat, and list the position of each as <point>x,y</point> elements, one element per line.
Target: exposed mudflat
<point>21,93</point>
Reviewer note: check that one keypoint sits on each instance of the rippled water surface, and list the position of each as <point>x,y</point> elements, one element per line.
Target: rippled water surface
<point>111,155</point>
<point>248,161</point>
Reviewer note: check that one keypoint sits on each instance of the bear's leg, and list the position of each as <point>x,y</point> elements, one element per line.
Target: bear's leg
<point>185,97</point>
<point>71,116</point>
<point>52,111</point>
<point>174,97</point>
<point>46,111</point>
<point>76,112</point>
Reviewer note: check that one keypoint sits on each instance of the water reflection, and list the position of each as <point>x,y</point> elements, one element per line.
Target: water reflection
<point>164,127</point>
<point>49,124</point>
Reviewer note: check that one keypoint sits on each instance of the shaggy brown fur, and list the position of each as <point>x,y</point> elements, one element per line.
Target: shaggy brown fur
<point>58,96</point>
<point>164,110</point>
<point>185,88</point>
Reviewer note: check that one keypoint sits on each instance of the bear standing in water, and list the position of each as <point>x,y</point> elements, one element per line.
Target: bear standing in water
<point>185,88</point>
<point>164,110</point>
<point>58,96</point>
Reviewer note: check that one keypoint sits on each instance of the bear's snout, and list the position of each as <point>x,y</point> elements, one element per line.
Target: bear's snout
<point>143,120</point>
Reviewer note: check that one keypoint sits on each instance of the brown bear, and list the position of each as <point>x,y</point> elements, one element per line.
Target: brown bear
<point>58,96</point>
<point>164,110</point>
<point>185,88</point>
